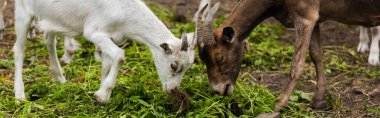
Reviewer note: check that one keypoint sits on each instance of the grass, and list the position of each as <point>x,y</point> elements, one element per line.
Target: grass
<point>138,91</point>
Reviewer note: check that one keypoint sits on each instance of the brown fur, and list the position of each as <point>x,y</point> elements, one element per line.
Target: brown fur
<point>224,59</point>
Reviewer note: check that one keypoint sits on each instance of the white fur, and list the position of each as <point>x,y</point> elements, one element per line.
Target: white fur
<point>364,40</point>
<point>71,45</point>
<point>106,23</point>
<point>373,58</point>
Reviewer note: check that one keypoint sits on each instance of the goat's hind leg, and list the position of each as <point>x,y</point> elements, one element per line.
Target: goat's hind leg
<point>22,25</point>
<point>55,66</point>
<point>316,54</point>
<point>71,45</point>
<point>364,40</point>
<point>373,58</point>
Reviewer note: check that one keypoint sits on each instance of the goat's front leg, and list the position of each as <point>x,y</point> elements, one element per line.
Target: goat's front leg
<point>373,58</point>
<point>364,40</point>
<point>304,27</point>
<point>110,54</point>
<point>55,67</point>
<point>316,54</point>
<point>22,25</point>
<point>71,45</point>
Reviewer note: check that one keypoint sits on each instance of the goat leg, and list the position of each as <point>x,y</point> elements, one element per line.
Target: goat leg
<point>364,40</point>
<point>316,54</point>
<point>55,66</point>
<point>373,58</point>
<point>305,20</point>
<point>22,25</point>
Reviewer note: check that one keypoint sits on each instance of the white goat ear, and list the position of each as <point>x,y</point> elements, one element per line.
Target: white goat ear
<point>192,41</point>
<point>166,48</point>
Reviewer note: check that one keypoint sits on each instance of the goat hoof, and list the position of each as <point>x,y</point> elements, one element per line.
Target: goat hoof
<point>363,47</point>
<point>66,60</point>
<point>320,104</point>
<point>60,79</point>
<point>374,61</point>
<point>269,115</point>
<point>101,97</point>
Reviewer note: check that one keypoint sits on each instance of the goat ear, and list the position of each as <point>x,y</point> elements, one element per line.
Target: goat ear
<point>228,34</point>
<point>166,48</point>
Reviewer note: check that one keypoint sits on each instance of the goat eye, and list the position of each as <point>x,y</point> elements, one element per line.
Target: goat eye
<point>174,66</point>
<point>219,59</point>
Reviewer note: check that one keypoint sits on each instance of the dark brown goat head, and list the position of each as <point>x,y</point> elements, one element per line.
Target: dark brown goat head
<point>220,52</point>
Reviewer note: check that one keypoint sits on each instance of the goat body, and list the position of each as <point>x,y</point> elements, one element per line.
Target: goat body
<point>107,24</point>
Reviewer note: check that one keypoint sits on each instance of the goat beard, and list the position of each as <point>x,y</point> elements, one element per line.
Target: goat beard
<point>181,100</point>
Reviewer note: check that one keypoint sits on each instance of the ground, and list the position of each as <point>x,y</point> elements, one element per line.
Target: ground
<point>138,92</point>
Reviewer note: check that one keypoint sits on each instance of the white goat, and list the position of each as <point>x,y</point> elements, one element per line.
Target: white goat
<point>373,58</point>
<point>106,23</point>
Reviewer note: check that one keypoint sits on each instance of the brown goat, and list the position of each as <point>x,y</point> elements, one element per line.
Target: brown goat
<point>223,54</point>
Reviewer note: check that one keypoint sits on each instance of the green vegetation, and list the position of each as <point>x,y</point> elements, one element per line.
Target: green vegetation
<point>138,91</point>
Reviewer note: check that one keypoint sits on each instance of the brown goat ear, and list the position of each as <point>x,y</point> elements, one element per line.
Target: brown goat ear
<point>228,34</point>
<point>166,48</point>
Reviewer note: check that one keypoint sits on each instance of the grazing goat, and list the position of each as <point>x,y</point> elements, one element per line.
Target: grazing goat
<point>373,58</point>
<point>223,53</point>
<point>107,24</point>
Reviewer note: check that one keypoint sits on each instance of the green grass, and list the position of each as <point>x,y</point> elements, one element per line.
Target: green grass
<point>138,91</point>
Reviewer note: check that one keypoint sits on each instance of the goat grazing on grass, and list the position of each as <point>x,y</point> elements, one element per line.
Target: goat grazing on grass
<point>373,58</point>
<point>223,53</point>
<point>106,24</point>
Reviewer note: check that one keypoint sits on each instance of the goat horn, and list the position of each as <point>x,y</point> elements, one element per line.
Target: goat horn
<point>199,28</point>
<point>208,32</point>
<point>185,43</point>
